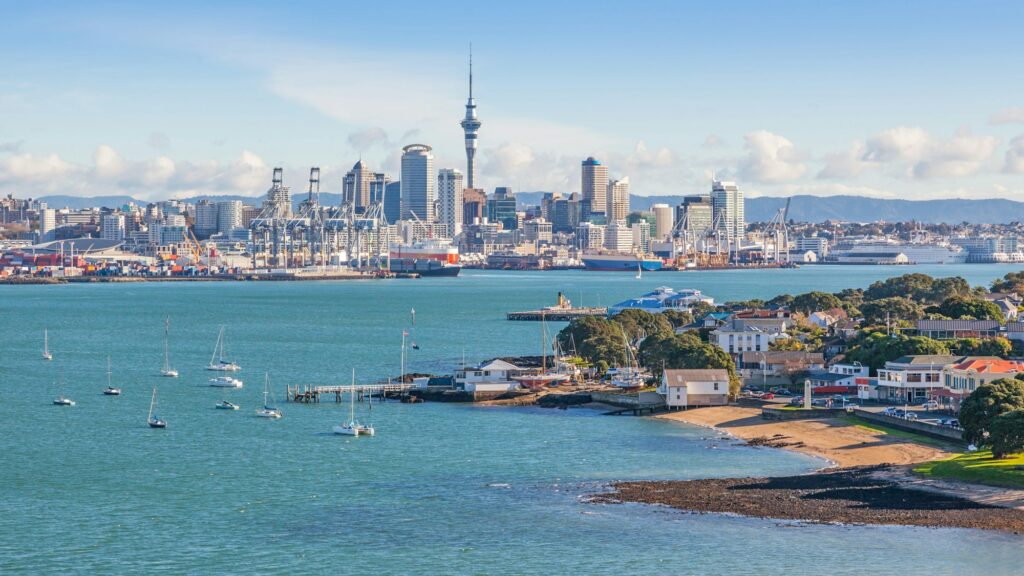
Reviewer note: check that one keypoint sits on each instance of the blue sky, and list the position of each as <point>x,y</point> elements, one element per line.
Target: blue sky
<point>896,99</point>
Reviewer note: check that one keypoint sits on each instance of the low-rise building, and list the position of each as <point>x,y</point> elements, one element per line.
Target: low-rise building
<point>965,375</point>
<point>779,366</point>
<point>909,379</point>
<point>951,329</point>
<point>740,335</point>
<point>494,376</point>
<point>691,388</point>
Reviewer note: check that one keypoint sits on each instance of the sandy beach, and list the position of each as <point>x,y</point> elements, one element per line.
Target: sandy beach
<point>841,442</point>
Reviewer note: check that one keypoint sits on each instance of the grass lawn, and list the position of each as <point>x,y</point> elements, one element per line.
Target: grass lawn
<point>897,433</point>
<point>978,467</point>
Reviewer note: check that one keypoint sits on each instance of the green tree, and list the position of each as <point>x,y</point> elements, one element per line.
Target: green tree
<point>997,346</point>
<point>780,301</point>
<point>965,307</point>
<point>788,344</point>
<point>677,318</point>
<point>1012,282</point>
<point>893,309</point>
<point>1007,434</point>
<point>945,288</point>
<point>987,402</point>
<point>810,302</point>
<point>920,288</point>
<point>637,324</point>
<point>673,351</point>
<point>874,348</point>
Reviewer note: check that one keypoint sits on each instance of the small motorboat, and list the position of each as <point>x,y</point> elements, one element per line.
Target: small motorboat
<point>63,401</point>
<point>111,391</point>
<point>225,382</point>
<point>225,405</point>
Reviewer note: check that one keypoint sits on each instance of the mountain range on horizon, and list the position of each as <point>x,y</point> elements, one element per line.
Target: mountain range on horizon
<point>803,208</point>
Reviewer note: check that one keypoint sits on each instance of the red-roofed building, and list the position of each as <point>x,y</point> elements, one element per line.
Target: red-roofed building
<point>966,375</point>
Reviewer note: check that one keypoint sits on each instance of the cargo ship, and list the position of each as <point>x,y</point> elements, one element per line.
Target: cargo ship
<point>620,262</point>
<point>431,257</point>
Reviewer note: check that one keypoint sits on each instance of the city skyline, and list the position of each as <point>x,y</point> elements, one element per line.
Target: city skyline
<point>155,104</point>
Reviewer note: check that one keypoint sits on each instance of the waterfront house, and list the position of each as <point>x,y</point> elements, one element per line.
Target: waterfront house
<point>494,376</point>
<point>909,379</point>
<point>691,388</point>
<point>951,329</point>
<point>778,366</point>
<point>749,334</point>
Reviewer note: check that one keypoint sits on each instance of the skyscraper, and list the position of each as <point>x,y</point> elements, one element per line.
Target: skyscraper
<point>595,185</point>
<point>664,220</point>
<point>205,219</point>
<point>229,216</point>
<point>419,183</point>
<point>698,212</point>
<point>617,202</point>
<point>449,193</point>
<point>355,187</point>
<point>470,124</point>
<point>727,202</point>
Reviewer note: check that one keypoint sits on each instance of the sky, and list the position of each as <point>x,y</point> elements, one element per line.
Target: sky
<point>894,99</point>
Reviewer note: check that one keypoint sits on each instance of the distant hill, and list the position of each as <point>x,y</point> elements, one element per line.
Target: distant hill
<point>853,208</point>
<point>802,208</point>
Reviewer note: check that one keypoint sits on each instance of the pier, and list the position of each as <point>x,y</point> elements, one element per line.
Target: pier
<point>309,394</point>
<point>556,314</point>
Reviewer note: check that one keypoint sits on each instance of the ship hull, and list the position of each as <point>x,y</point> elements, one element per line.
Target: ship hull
<point>624,264</point>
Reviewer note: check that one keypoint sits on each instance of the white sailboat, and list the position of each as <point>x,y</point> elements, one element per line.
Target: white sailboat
<point>639,271</point>
<point>63,400</point>
<point>353,428</point>
<point>217,361</point>
<point>167,370</point>
<point>110,391</point>
<point>154,421</point>
<point>46,346</point>
<point>268,410</point>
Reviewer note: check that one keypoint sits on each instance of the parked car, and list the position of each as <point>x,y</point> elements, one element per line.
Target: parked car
<point>851,406</point>
<point>910,415</point>
<point>890,411</point>
<point>768,396</point>
<point>796,400</point>
<point>950,422</point>
<point>930,405</point>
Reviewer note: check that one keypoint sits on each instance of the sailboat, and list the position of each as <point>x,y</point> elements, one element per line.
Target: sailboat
<point>639,271</point>
<point>543,377</point>
<point>167,370</point>
<point>268,411</point>
<point>46,346</point>
<point>153,421</point>
<point>353,428</point>
<point>217,361</point>
<point>110,391</point>
<point>63,400</point>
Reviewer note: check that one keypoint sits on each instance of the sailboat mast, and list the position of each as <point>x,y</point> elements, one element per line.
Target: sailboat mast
<point>167,327</point>
<point>108,371</point>
<point>543,345</point>
<point>352,400</point>
<point>152,402</point>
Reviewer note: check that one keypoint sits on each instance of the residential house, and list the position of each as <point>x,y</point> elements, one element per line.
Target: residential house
<point>965,375</point>
<point>691,388</point>
<point>950,329</point>
<point>1015,330</point>
<point>750,335</point>
<point>909,379</point>
<point>1009,303</point>
<point>494,376</point>
<point>827,318</point>
<point>839,375</point>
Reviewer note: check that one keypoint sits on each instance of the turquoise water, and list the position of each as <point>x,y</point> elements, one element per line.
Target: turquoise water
<point>442,489</point>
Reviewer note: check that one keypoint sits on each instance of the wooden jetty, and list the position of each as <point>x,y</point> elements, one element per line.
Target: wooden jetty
<point>556,314</point>
<point>310,394</point>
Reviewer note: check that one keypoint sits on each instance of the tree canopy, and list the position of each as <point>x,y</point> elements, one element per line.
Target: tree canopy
<point>1012,282</point>
<point>918,287</point>
<point>810,302</point>
<point>687,350</point>
<point>892,309</point>
<point>958,307</point>
<point>1007,434</point>
<point>874,349</point>
<point>988,401</point>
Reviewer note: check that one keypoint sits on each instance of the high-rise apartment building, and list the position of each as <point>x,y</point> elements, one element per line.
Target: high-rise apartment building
<point>642,236</point>
<point>355,186</point>
<point>618,237</point>
<point>229,216</point>
<point>594,179</point>
<point>206,219</point>
<point>450,189</point>
<point>112,227</point>
<point>419,183</point>
<point>501,207</point>
<point>589,236</point>
<point>698,212</point>
<point>474,205</point>
<point>664,220</point>
<point>617,201</point>
<point>727,202</point>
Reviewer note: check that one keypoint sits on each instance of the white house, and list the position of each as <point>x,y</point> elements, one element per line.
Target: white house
<point>495,376</point>
<point>741,335</point>
<point>909,379</point>
<point>686,388</point>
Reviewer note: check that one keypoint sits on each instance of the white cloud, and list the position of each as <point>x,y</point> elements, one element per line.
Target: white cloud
<point>1014,160</point>
<point>1013,115</point>
<point>770,158</point>
<point>363,140</point>
<point>111,173</point>
<point>912,153</point>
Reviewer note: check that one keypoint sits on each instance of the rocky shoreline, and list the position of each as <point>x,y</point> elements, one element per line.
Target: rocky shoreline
<point>861,495</point>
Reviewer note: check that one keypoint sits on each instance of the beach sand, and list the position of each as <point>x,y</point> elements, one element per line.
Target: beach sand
<point>837,440</point>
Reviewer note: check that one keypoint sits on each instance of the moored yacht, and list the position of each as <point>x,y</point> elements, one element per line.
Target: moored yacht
<point>268,410</point>
<point>217,361</point>
<point>225,382</point>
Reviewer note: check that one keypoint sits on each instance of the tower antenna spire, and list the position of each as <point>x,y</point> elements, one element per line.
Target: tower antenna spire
<point>471,70</point>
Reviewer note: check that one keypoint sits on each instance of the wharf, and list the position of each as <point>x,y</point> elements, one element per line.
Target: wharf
<point>556,314</point>
<point>309,394</point>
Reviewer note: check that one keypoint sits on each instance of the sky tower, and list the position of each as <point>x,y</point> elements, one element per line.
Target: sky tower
<point>470,124</point>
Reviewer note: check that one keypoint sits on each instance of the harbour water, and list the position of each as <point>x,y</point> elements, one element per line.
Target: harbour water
<point>441,489</point>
